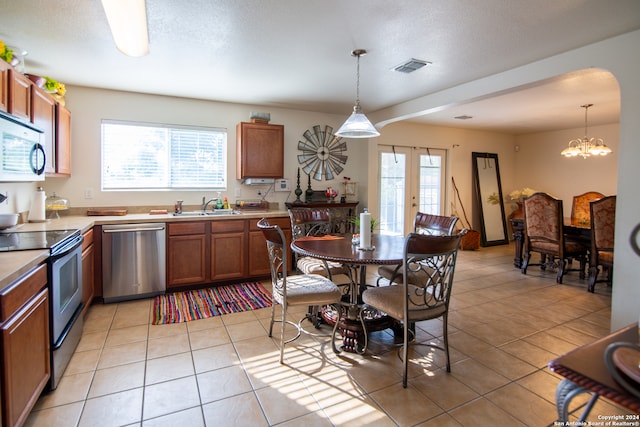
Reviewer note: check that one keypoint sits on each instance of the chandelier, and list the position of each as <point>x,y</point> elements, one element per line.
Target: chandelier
<point>586,147</point>
<point>357,125</point>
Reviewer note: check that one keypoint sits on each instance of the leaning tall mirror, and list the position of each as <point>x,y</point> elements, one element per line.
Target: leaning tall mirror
<point>488,199</point>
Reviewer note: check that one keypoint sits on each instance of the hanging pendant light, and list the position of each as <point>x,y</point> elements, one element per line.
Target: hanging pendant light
<point>586,147</point>
<point>357,125</point>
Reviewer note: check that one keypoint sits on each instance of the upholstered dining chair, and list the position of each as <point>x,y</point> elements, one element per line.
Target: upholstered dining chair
<point>423,223</point>
<point>544,233</point>
<point>580,209</point>
<point>432,258</point>
<point>314,222</point>
<point>603,220</point>
<point>303,289</point>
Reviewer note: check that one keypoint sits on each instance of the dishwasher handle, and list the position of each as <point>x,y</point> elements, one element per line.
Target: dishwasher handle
<point>132,229</point>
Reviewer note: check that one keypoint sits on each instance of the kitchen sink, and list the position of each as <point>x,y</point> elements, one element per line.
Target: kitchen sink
<point>208,213</point>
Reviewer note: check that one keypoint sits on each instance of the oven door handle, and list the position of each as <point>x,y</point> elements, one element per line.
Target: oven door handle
<point>68,247</point>
<point>131,230</point>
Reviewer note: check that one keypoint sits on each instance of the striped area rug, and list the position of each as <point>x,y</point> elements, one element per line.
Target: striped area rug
<point>202,303</point>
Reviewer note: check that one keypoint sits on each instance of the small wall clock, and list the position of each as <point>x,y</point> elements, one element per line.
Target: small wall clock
<point>322,153</point>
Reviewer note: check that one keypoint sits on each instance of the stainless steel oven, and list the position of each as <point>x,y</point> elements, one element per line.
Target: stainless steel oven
<point>64,276</point>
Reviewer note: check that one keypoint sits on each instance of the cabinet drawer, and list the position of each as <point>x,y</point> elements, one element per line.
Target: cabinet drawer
<point>177,229</point>
<point>88,239</point>
<point>237,225</point>
<point>282,222</point>
<point>21,291</point>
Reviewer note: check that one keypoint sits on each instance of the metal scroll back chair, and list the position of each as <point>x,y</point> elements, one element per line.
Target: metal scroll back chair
<point>544,233</point>
<point>580,208</point>
<point>603,220</point>
<point>432,258</point>
<point>304,289</point>
<point>423,223</point>
<point>314,222</point>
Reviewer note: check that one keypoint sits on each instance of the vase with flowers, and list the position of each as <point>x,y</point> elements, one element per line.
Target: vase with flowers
<point>518,196</point>
<point>55,88</point>
<point>6,54</point>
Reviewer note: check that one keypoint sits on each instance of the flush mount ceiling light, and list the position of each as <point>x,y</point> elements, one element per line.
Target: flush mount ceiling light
<point>586,147</point>
<point>128,22</point>
<point>357,125</point>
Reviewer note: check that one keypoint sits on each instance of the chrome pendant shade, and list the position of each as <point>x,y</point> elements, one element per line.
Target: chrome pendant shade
<point>586,147</point>
<point>357,125</point>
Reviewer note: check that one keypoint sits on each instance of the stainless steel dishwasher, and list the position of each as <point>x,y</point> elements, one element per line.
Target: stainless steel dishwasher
<point>133,261</point>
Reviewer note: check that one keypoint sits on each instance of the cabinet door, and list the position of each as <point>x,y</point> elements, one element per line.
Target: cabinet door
<point>228,249</point>
<point>4,86</point>
<point>19,95</point>
<point>43,116</point>
<point>260,150</point>
<point>63,141</point>
<point>88,270</point>
<point>258,257</point>
<point>228,256</point>
<point>25,359</point>
<point>186,260</point>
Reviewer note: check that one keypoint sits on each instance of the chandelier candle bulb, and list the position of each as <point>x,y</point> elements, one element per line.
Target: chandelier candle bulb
<point>365,230</point>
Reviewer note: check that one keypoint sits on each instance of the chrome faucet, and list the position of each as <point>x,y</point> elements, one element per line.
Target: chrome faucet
<point>205,203</point>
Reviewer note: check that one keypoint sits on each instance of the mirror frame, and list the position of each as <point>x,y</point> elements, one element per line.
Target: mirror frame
<point>478,205</point>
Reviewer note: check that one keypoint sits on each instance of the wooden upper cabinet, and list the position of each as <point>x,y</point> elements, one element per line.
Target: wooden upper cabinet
<point>4,86</point>
<point>63,141</point>
<point>260,149</point>
<point>19,95</point>
<point>43,116</point>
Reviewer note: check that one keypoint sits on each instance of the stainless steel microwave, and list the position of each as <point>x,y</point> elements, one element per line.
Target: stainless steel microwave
<point>22,155</point>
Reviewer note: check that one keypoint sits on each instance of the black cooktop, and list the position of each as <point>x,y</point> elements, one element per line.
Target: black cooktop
<point>28,240</point>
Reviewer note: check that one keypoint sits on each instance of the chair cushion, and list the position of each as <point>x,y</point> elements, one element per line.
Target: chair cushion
<point>310,265</point>
<point>605,257</point>
<point>390,299</point>
<point>415,277</point>
<point>309,289</point>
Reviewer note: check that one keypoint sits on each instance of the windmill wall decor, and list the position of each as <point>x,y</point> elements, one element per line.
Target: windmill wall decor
<point>322,153</point>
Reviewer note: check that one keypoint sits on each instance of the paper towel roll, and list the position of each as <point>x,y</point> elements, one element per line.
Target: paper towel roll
<point>365,229</point>
<point>37,211</point>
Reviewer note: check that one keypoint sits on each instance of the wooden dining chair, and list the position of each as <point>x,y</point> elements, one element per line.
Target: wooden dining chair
<point>432,258</point>
<point>544,233</point>
<point>302,289</point>
<point>423,223</point>
<point>580,208</point>
<point>603,221</point>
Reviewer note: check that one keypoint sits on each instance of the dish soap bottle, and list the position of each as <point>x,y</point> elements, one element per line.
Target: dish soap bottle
<point>225,203</point>
<point>219,203</point>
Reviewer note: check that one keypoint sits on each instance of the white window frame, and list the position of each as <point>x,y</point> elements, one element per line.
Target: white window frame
<point>162,174</point>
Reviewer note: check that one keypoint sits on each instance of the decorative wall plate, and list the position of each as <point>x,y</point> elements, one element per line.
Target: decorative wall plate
<point>322,153</point>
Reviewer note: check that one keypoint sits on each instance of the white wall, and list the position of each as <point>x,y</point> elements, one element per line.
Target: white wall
<point>540,166</point>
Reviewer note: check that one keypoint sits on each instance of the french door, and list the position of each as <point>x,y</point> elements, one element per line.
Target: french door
<point>411,179</point>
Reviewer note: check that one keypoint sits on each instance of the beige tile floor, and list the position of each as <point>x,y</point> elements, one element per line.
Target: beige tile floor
<point>504,329</point>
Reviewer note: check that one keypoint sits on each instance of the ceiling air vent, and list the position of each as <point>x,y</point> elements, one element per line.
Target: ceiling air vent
<point>411,65</point>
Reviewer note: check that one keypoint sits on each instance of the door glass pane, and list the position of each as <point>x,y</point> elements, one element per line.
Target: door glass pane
<point>392,192</point>
<point>430,175</point>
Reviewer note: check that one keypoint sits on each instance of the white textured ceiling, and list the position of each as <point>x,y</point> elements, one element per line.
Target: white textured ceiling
<point>296,53</point>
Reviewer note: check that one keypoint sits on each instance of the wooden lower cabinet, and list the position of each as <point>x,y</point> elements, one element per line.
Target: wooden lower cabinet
<point>24,344</point>
<point>88,270</point>
<point>258,257</point>
<point>186,253</point>
<point>202,252</point>
<point>228,249</point>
